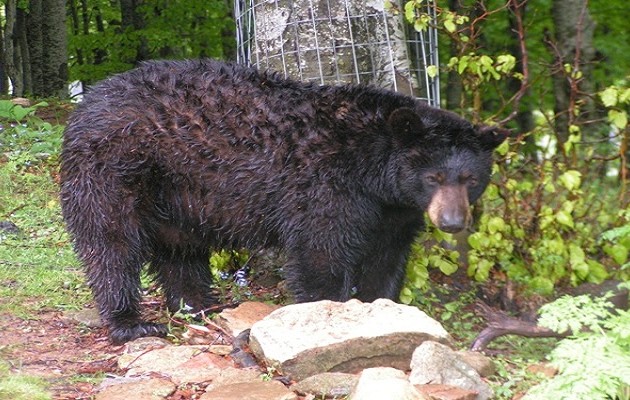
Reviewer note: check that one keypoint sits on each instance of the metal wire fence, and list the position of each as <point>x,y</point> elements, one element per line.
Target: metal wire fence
<point>343,41</point>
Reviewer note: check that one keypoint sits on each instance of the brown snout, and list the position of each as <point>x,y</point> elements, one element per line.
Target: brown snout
<point>449,209</point>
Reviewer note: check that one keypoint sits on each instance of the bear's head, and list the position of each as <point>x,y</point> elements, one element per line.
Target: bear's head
<point>443,164</point>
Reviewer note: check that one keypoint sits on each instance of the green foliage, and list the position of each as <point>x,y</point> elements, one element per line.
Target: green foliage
<point>433,249</point>
<point>594,362</point>
<point>37,266</point>
<point>541,228</point>
<point>16,112</point>
<point>173,30</point>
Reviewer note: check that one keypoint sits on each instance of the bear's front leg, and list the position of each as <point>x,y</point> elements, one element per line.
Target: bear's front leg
<point>383,265</point>
<point>311,276</point>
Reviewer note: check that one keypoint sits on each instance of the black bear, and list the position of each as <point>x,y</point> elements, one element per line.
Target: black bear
<point>165,162</point>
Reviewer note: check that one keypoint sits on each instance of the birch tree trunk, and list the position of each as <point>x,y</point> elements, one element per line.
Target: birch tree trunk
<point>574,50</point>
<point>354,41</point>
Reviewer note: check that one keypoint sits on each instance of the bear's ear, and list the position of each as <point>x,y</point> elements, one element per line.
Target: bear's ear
<point>404,121</point>
<point>490,137</point>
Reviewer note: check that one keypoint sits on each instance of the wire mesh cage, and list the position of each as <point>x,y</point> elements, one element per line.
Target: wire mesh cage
<point>338,41</point>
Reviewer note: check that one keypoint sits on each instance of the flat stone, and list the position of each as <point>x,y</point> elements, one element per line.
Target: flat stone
<point>231,375</point>
<point>144,344</point>
<point>445,392</point>
<point>385,383</point>
<point>183,364</point>
<point>303,340</point>
<point>328,384</point>
<point>236,320</point>
<point>438,364</point>
<point>272,390</point>
<point>88,317</point>
<point>142,388</point>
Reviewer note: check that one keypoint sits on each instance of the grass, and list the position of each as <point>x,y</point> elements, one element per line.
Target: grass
<point>38,269</point>
<point>37,265</point>
<point>20,387</point>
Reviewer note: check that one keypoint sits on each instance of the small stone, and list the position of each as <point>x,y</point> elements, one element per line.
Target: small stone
<point>183,364</point>
<point>544,369</point>
<point>328,384</point>
<point>435,363</point>
<point>272,390</point>
<point>88,317</point>
<point>220,349</point>
<point>385,383</point>
<point>483,365</point>
<point>236,320</point>
<point>445,392</point>
<point>139,389</point>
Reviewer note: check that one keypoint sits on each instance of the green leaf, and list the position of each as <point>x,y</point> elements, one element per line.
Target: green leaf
<point>450,26</point>
<point>410,11</point>
<point>609,96</point>
<point>463,64</point>
<point>618,118</point>
<point>496,224</point>
<point>406,296</point>
<point>597,272</point>
<point>432,71</point>
<point>565,219</point>
<point>618,252</point>
<point>571,179</point>
<point>542,285</point>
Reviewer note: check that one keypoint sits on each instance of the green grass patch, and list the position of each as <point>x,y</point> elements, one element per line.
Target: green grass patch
<point>15,386</point>
<point>37,265</point>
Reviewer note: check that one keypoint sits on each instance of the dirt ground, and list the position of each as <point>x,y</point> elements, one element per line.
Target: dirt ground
<point>71,358</point>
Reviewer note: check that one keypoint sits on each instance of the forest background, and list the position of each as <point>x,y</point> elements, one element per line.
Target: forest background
<point>554,72</point>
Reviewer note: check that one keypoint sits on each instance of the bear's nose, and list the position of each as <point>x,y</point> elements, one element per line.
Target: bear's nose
<point>452,222</point>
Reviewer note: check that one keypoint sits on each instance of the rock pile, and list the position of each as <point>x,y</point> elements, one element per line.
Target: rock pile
<point>353,350</point>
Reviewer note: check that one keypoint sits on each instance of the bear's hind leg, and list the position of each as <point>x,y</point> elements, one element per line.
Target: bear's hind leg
<point>185,277</point>
<point>113,271</point>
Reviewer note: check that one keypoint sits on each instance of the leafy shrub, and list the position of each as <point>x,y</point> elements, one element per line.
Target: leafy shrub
<point>26,140</point>
<point>594,362</point>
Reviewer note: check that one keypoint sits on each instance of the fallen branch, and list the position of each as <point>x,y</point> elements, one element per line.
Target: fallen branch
<point>500,324</point>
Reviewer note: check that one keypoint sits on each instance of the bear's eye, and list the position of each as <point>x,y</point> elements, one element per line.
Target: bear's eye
<point>434,179</point>
<point>468,179</point>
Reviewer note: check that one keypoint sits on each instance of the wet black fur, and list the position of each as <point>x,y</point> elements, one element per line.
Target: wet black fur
<point>162,163</point>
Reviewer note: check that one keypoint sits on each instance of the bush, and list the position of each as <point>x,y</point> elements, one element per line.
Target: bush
<point>594,362</point>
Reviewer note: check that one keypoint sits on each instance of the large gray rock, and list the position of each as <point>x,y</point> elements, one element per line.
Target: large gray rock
<point>302,340</point>
<point>438,364</point>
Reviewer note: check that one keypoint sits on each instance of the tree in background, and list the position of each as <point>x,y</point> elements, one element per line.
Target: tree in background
<point>105,37</point>
<point>110,37</point>
<point>35,47</point>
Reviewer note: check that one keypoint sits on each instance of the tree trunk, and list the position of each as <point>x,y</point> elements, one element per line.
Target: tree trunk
<point>454,87</point>
<point>9,33</point>
<point>55,49</point>
<point>133,19</point>
<point>524,116</point>
<point>76,29</point>
<point>4,82</point>
<point>35,39</point>
<point>574,52</point>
